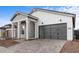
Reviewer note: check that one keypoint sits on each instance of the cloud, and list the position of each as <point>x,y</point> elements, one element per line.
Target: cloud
<point>48,7</point>
<point>72,9</point>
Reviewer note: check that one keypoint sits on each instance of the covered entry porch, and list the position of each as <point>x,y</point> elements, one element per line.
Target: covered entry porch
<point>24,28</point>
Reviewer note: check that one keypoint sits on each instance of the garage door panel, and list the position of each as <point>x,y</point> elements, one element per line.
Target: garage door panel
<point>56,31</point>
<point>47,32</point>
<point>41,34</point>
<point>62,30</point>
<point>53,32</point>
<point>54,36</point>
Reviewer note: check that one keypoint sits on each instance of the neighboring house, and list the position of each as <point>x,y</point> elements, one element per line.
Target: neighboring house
<point>8,33</point>
<point>5,31</point>
<point>2,32</point>
<point>43,24</point>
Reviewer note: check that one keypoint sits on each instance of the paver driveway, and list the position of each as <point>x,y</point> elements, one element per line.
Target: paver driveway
<point>35,46</point>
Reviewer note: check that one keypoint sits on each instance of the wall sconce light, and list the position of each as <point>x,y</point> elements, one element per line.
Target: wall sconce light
<point>60,20</point>
<point>42,22</point>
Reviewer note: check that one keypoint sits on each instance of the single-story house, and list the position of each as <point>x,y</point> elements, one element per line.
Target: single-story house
<point>43,24</point>
<point>2,31</point>
<point>8,31</point>
<point>5,31</point>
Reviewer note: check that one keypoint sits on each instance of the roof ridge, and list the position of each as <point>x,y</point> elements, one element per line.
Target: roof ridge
<point>36,9</point>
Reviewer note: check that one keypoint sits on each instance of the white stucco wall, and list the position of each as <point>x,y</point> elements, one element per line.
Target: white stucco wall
<point>49,18</point>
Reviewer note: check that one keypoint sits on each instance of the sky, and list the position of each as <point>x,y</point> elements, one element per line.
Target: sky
<point>6,12</point>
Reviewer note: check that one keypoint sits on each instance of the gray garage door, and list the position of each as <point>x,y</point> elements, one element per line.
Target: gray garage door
<point>55,31</point>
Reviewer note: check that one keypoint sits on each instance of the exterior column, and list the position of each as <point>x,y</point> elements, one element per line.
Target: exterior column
<point>27,23</point>
<point>18,34</point>
<point>12,30</point>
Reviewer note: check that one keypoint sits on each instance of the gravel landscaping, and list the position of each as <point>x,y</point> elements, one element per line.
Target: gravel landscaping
<point>7,43</point>
<point>71,47</point>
